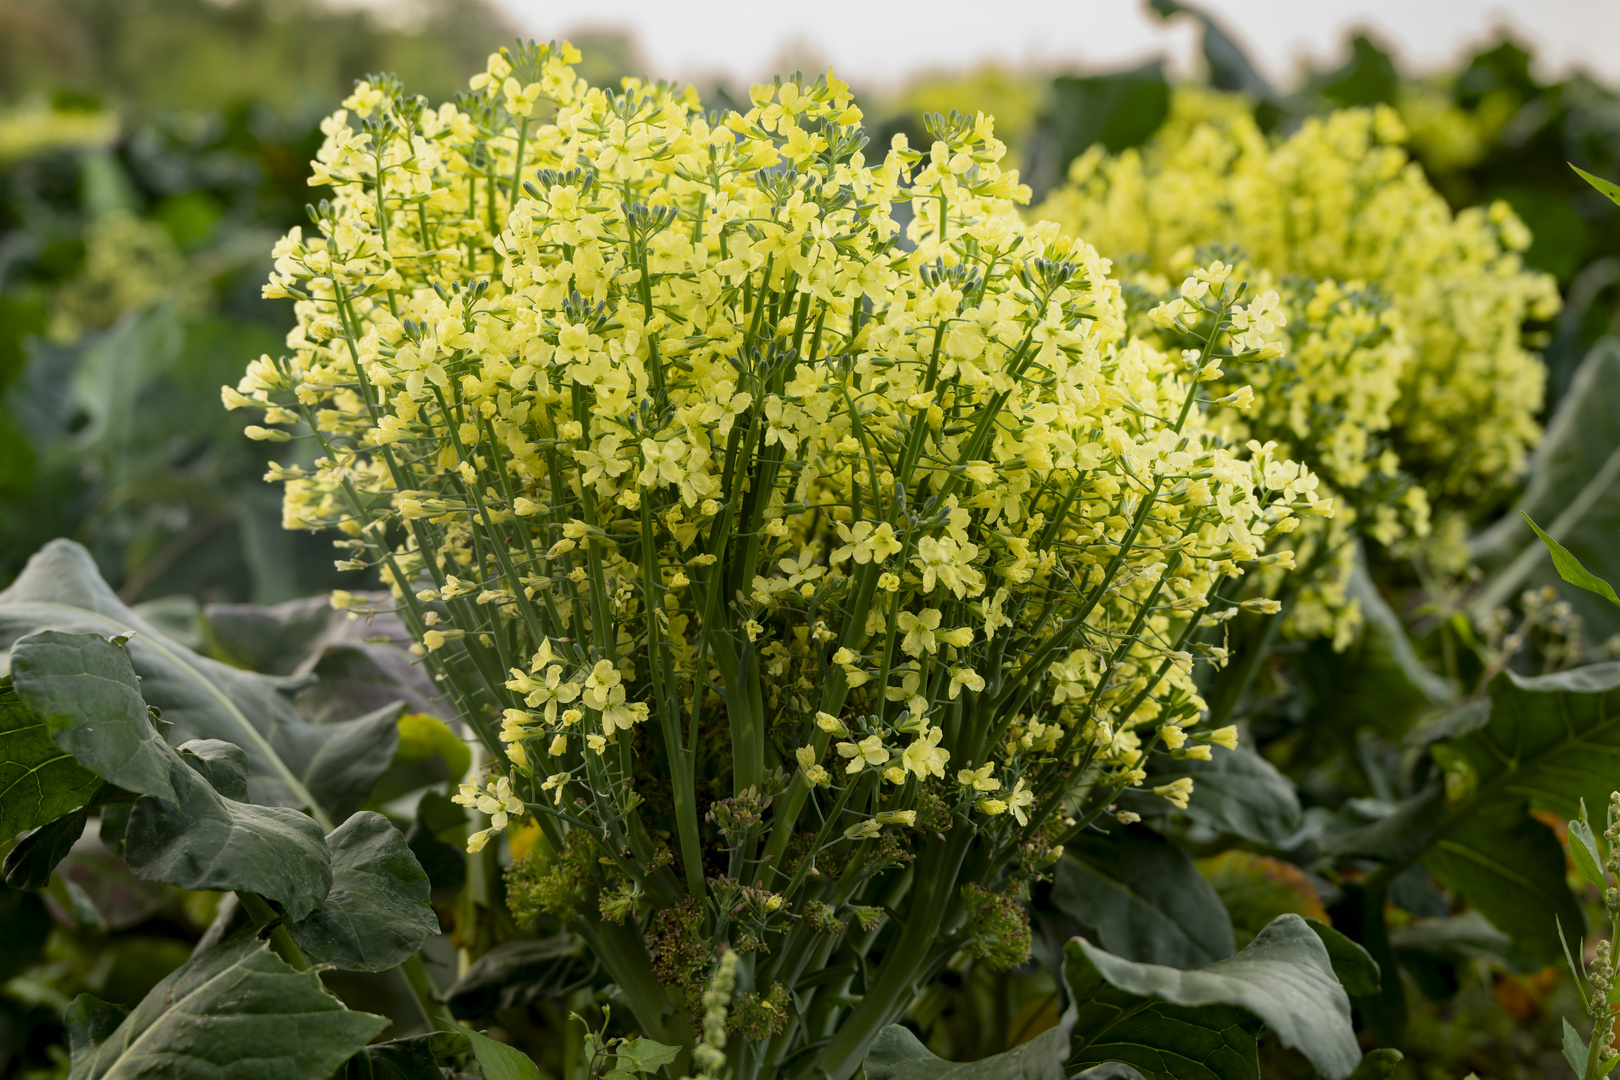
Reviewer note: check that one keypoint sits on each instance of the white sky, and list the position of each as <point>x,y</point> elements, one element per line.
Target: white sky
<point>878,43</point>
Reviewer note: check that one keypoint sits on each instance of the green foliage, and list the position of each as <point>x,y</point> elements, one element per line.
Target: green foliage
<point>329,768</point>
<point>1139,896</point>
<point>194,54</point>
<point>109,431</point>
<point>83,689</point>
<point>355,900</point>
<point>30,863</point>
<point>1355,969</point>
<point>1609,189</point>
<point>1570,569</point>
<point>1165,1022</point>
<point>1240,794</point>
<point>897,1054</point>
<point>1284,978</point>
<point>39,781</point>
<point>412,1058</point>
<point>377,911</point>
<point>181,831</point>
<point>1118,110</point>
<point>497,1060</point>
<point>280,1020</point>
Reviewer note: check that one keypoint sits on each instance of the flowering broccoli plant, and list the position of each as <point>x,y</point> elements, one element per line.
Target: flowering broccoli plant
<point>1407,383</point>
<point>805,538</point>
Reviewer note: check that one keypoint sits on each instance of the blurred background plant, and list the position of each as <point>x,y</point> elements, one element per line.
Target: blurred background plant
<point>151,152</point>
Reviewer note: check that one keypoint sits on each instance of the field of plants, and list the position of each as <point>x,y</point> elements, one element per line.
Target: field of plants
<point>511,568</point>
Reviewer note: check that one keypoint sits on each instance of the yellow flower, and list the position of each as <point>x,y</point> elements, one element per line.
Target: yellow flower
<point>658,358</point>
<point>918,628</point>
<point>925,757</point>
<point>436,639</point>
<point>866,542</point>
<point>967,677</point>
<point>979,779</point>
<point>831,724</point>
<point>950,564</point>
<point>1176,792</point>
<point>1019,799</point>
<point>869,751</point>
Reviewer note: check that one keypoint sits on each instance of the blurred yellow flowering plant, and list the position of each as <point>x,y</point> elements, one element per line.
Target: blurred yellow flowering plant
<point>697,472</point>
<point>1407,383</point>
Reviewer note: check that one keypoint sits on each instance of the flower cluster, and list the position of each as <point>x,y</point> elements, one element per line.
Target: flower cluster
<point>694,469</point>
<point>1407,359</point>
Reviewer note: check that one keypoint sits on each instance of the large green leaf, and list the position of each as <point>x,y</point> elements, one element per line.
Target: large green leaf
<point>29,865</point>
<point>1573,492</point>
<point>499,1061</point>
<point>84,689</point>
<point>39,781</point>
<point>1236,793</point>
<point>182,831</point>
<point>1353,966</point>
<point>222,764</point>
<point>1119,109</point>
<point>1547,741</point>
<point>1510,867</point>
<point>1551,739</point>
<point>377,913</point>
<point>1455,939</point>
<point>206,841</point>
<point>362,664</point>
<point>90,1022</point>
<point>1164,1022</point>
<point>1399,836</point>
<point>235,1011</point>
<point>897,1054</point>
<point>328,768</point>
<point>1143,898</point>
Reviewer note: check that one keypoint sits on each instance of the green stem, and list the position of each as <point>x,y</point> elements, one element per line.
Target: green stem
<point>427,995</point>
<point>259,910</point>
<point>624,955</point>
<point>911,954</point>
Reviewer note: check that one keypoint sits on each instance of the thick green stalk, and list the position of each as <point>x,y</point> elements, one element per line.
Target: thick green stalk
<point>669,713</point>
<point>624,955</point>
<point>907,958</point>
